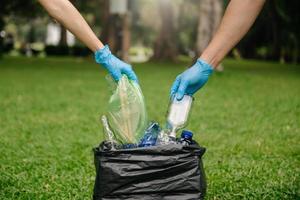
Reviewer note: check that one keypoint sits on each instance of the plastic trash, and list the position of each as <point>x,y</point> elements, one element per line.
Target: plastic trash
<point>129,146</point>
<point>163,138</point>
<point>186,138</point>
<point>178,114</point>
<point>126,111</point>
<point>108,134</point>
<point>150,136</point>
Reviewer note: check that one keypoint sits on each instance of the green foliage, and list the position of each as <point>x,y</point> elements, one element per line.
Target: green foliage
<point>276,29</point>
<point>24,9</point>
<point>247,117</point>
<point>28,8</point>
<point>91,10</point>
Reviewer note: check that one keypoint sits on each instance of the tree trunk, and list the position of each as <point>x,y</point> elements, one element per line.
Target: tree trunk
<point>115,30</point>
<point>210,15</point>
<point>63,36</point>
<point>218,9</point>
<point>126,37</point>
<point>2,24</point>
<point>111,31</point>
<point>165,46</point>
<point>105,20</point>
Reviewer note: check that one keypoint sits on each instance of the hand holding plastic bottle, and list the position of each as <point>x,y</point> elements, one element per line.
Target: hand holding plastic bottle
<point>114,65</point>
<point>192,79</point>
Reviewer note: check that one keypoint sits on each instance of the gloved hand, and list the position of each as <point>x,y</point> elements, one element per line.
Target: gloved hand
<point>114,65</point>
<point>192,79</point>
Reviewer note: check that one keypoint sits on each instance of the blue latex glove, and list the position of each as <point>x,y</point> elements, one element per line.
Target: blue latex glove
<point>191,80</point>
<point>114,65</point>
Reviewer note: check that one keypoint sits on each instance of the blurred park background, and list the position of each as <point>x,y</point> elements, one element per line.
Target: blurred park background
<point>143,28</point>
<point>52,94</point>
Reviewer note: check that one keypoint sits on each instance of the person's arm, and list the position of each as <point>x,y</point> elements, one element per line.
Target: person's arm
<point>237,20</point>
<point>66,14</point>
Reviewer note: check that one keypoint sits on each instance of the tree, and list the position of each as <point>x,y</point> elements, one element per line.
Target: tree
<point>210,15</point>
<point>275,34</point>
<point>113,16</point>
<point>126,37</point>
<point>143,28</point>
<point>104,20</point>
<point>187,26</point>
<point>9,7</point>
<point>63,36</point>
<point>165,46</point>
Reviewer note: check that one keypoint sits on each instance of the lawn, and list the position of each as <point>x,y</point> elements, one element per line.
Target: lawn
<point>248,118</point>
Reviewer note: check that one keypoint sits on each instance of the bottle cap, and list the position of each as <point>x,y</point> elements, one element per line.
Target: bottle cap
<point>186,134</point>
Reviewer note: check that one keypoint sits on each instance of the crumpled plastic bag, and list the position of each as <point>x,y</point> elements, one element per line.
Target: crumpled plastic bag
<point>127,111</point>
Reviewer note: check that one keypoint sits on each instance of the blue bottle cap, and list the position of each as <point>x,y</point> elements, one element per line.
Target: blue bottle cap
<point>186,134</point>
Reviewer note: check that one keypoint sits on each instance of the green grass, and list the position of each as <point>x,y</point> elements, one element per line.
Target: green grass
<point>248,118</point>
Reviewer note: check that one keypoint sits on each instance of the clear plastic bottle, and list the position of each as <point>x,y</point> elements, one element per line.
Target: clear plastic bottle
<point>108,134</point>
<point>178,114</point>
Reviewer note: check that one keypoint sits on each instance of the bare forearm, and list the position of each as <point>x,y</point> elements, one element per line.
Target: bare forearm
<point>237,20</point>
<point>66,14</point>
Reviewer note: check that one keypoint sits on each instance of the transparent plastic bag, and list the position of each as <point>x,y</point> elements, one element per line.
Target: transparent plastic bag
<point>127,111</point>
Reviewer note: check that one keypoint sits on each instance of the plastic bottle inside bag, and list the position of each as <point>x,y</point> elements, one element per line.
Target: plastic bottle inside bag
<point>151,135</point>
<point>186,138</point>
<point>178,114</point>
<point>108,134</point>
<point>163,138</point>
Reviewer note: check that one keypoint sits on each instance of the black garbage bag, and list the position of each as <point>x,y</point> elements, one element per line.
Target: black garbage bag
<point>166,172</point>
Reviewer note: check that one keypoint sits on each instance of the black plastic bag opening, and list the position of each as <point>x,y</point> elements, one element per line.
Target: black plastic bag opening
<point>166,172</point>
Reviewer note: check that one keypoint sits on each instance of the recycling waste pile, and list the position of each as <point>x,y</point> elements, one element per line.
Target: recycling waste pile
<point>142,160</point>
